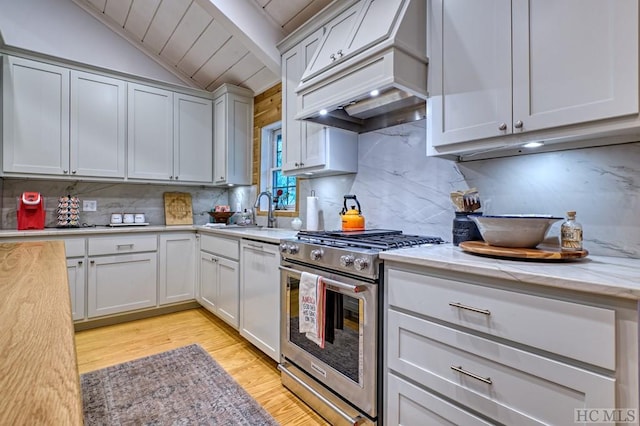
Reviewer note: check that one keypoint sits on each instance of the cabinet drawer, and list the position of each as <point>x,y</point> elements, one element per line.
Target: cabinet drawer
<point>74,247</point>
<point>122,244</point>
<point>227,247</point>
<point>410,405</point>
<point>582,332</point>
<point>509,385</point>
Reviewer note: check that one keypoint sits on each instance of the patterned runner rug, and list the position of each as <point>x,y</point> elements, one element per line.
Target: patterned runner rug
<point>184,386</point>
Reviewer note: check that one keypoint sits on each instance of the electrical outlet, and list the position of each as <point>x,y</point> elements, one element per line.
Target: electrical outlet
<point>89,205</point>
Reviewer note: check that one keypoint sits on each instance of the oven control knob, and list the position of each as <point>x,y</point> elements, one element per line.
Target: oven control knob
<point>315,254</point>
<point>361,264</point>
<point>284,247</point>
<point>293,248</point>
<point>346,260</point>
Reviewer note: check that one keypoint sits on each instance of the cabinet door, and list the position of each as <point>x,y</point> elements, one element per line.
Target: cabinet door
<point>193,139</point>
<point>573,61</point>
<point>229,291</point>
<point>177,267</point>
<point>373,24</point>
<point>220,146</point>
<point>35,117</point>
<point>332,45</point>
<point>121,283</point>
<point>98,114</point>
<point>209,281</point>
<point>150,132</point>
<point>75,273</point>
<point>302,142</point>
<point>469,45</point>
<point>260,297</point>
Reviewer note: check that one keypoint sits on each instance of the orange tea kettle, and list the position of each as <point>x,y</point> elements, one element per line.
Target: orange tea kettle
<point>352,219</point>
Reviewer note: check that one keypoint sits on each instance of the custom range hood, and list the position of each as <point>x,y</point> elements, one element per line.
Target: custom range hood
<point>370,68</point>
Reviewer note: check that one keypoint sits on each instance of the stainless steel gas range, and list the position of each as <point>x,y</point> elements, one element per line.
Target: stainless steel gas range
<point>341,381</point>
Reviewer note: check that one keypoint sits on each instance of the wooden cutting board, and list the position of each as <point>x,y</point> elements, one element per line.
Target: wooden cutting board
<point>177,208</point>
<point>539,253</point>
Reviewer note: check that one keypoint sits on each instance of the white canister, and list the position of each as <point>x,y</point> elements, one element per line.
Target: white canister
<point>139,218</point>
<point>128,218</point>
<point>116,218</point>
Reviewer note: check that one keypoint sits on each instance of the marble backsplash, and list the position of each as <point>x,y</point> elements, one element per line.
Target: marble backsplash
<point>399,187</point>
<point>111,198</point>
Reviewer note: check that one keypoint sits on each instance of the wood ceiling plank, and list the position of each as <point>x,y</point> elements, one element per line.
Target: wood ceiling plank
<point>117,10</point>
<point>232,51</point>
<point>261,81</point>
<point>239,72</point>
<point>213,38</point>
<point>167,18</point>
<point>190,28</point>
<point>140,16</point>
<point>304,15</point>
<point>98,4</point>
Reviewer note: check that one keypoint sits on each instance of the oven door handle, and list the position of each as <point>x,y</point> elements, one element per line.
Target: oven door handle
<point>348,287</point>
<point>352,420</point>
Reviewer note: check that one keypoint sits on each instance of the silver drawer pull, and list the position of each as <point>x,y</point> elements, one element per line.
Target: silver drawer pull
<point>125,245</point>
<point>256,246</point>
<point>470,308</point>
<point>459,369</point>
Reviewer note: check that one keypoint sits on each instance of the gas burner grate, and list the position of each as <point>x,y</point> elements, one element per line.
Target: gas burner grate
<point>380,239</point>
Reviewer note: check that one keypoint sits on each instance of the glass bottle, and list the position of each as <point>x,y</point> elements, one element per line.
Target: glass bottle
<point>571,234</point>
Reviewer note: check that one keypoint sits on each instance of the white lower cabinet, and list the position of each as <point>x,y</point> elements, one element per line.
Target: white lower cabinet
<point>461,349</point>
<point>260,296</point>
<point>177,267</point>
<point>75,274</point>
<point>122,274</point>
<point>220,277</point>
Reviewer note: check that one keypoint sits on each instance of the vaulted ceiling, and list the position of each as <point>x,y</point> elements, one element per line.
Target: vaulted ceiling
<point>206,43</point>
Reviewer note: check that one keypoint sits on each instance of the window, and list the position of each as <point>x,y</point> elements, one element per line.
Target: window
<point>283,188</point>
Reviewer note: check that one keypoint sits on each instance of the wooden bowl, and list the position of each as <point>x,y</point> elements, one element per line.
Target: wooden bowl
<point>220,217</point>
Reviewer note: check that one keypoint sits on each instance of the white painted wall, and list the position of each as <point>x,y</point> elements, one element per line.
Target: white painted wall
<point>62,29</point>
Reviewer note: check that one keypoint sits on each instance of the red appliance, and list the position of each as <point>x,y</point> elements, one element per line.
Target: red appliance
<point>31,211</point>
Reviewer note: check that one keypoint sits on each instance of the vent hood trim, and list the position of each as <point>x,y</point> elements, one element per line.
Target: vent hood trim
<point>394,64</point>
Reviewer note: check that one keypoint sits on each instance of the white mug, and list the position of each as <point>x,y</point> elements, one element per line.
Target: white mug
<point>139,218</point>
<point>128,218</point>
<point>116,218</point>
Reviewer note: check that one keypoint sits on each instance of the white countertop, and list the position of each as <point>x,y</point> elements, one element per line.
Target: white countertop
<point>268,235</point>
<point>612,276</point>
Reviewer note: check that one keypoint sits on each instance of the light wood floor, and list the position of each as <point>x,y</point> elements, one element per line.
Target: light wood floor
<point>252,369</point>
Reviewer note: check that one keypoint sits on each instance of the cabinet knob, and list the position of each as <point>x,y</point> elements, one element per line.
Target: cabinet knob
<point>518,124</point>
<point>297,164</point>
<point>170,177</point>
<point>92,262</point>
<point>221,177</point>
<point>73,172</point>
<point>79,262</point>
<point>502,126</point>
<point>332,57</point>
<point>65,171</point>
<point>339,53</point>
<point>301,164</point>
<point>176,178</point>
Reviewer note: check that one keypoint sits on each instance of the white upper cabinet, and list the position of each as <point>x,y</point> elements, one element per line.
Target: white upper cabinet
<point>35,117</point>
<point>98,117</point>
<point>310,147</point>
<point>150,131</point>
<point>505,72</point>
<point>62,122</point>
<point>193,139</point>
<point>233,130</point>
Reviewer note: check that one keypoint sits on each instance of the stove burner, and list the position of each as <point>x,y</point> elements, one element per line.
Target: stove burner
<point>381,239</point>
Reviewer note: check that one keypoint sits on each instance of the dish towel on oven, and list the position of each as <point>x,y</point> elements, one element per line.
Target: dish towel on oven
<point>312,307</point>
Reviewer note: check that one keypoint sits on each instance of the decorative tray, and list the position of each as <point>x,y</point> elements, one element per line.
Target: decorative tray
<point>128,224</point>
<point>542,253</point>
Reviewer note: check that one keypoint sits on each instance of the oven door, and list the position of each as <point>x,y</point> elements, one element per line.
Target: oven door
<point>348,363</point>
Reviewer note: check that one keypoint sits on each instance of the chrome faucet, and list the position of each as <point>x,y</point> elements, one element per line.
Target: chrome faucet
<point>271,220</point>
